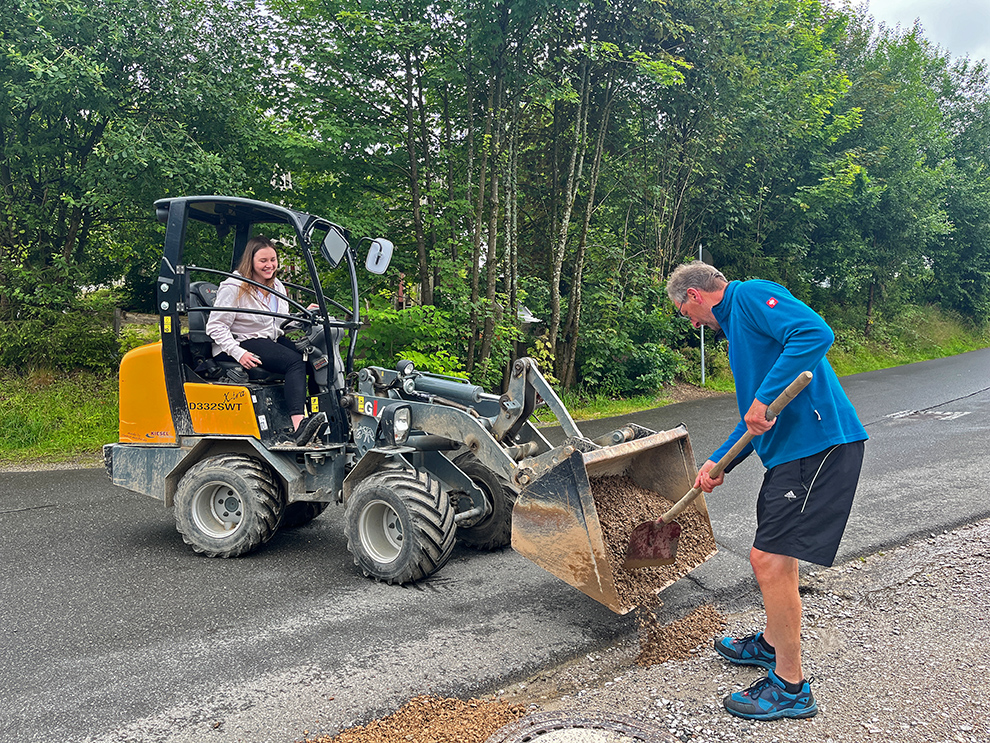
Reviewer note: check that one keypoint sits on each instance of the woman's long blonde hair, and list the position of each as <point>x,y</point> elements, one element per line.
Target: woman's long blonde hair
<point>246,267</point>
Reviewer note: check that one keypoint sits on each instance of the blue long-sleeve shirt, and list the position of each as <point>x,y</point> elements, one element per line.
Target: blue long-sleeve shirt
<point>773,337</point>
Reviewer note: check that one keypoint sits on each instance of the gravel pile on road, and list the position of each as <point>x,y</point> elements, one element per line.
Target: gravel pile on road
<point>895,642</point>
<point>659,643</point>
<point>622,505</point>
<point>427,719</point>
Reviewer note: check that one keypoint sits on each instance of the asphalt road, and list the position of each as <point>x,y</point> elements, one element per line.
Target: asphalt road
<point>113,630</point>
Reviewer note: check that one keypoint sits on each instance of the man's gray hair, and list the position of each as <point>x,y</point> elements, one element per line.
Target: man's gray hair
<point>693,275</point>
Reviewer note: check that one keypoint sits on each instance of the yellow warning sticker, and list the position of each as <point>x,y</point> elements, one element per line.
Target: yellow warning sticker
<point>167,324</point>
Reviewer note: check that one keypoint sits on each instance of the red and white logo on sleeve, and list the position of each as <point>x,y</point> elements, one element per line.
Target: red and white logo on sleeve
<point>772,302</point>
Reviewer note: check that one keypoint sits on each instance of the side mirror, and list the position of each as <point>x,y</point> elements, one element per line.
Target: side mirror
<point>379,255</point>
<point>334,247</point>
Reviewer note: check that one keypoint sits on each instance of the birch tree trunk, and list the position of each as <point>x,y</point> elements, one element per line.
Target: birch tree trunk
<point>479,213</point>
<point>573,325</point>
<point>491,255</point>
<point>573,180</point>
<point>426,289</point>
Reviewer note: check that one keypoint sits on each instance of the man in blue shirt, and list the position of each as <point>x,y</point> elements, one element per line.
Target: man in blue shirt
<point>813,452</point>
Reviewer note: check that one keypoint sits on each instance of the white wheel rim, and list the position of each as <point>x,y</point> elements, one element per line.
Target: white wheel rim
<point>381,531</point>
<point>217,510</point>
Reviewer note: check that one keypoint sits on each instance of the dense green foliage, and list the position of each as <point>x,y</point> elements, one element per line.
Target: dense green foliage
<point>106,105</point>
<point>79,336</point>
<point>560,155</point>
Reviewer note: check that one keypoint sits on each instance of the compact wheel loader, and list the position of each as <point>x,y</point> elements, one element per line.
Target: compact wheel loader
<point>416,460</point>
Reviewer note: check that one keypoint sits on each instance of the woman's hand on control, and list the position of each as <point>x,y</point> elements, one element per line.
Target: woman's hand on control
<point>249,360</point>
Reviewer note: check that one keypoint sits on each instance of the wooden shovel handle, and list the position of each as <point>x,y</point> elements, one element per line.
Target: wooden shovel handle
<point>773,410</point>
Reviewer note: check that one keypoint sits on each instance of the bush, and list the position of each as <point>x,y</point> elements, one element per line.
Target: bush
<point>717,368</point>
<point>430,337</point>
<point>133,335</point>
<point>422,334</point>
<point>615,365</point>
<point>66,341</point>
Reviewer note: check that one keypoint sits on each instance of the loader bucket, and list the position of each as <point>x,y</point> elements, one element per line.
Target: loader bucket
<point>575,515</point>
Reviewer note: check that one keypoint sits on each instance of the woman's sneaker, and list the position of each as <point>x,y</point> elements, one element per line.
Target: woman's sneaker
<point>746,651</point>
<point>768,699</point>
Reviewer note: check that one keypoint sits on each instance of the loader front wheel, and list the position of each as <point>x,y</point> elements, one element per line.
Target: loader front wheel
<point>227,505</point>
<point>400,527</point>
<point>496,529</point>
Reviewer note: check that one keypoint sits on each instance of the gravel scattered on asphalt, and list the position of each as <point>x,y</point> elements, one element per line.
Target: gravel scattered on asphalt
<point>895,644</point>
<point>429,719</point>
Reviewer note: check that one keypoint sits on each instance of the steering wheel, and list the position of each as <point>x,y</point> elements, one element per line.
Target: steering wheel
<point>306,324</point>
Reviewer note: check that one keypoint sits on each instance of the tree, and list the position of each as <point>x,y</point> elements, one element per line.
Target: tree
<point>902,146</point>
<point>108,104</point>
<point>960,258</point>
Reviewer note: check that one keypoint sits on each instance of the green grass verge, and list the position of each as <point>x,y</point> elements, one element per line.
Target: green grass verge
<point>56,418</point>
<point>919,334</point>
<point>584,407</point>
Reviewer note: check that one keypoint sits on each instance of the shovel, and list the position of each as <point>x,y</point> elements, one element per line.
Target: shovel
<point>654,543</point>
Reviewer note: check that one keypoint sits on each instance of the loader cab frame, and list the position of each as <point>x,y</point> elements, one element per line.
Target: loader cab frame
<point>244,218</point>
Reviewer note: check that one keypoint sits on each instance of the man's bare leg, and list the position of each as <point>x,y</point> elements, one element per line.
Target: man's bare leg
<point>778,578</point>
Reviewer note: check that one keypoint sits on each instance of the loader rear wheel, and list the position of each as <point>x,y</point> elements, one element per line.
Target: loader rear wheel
<point>496,529</point>
<point>400,527</point>
<point>227,505</point>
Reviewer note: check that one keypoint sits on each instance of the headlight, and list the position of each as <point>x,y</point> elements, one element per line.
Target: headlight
<point>403,417</point>
<point>393,428</point>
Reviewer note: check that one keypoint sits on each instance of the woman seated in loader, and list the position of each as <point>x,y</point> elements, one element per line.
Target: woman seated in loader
<point>258,340</point>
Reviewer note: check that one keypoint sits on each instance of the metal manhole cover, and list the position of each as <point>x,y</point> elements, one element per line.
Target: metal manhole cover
<point>571,727</point>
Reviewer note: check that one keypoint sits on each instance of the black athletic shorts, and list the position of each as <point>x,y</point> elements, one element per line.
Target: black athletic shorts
<point>804,504</point>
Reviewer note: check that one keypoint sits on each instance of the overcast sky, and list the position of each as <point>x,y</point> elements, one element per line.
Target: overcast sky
<point>960,26</point>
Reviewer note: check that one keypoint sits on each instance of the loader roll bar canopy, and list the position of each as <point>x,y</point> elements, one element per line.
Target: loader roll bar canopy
<point>226,214</point>
<point>230,212</point>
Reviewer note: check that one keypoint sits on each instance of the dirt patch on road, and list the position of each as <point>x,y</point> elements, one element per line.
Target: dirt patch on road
<point>82,462</point>
<point>920,609</point>
<point>894,643</point>
<point>427,719</point>
<point>683,392</point>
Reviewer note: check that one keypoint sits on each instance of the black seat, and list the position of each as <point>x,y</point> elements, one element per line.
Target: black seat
<point>201,294</point>
<point>204,294</point>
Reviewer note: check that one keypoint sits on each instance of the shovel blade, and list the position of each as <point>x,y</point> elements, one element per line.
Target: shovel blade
<point>652,544</point>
